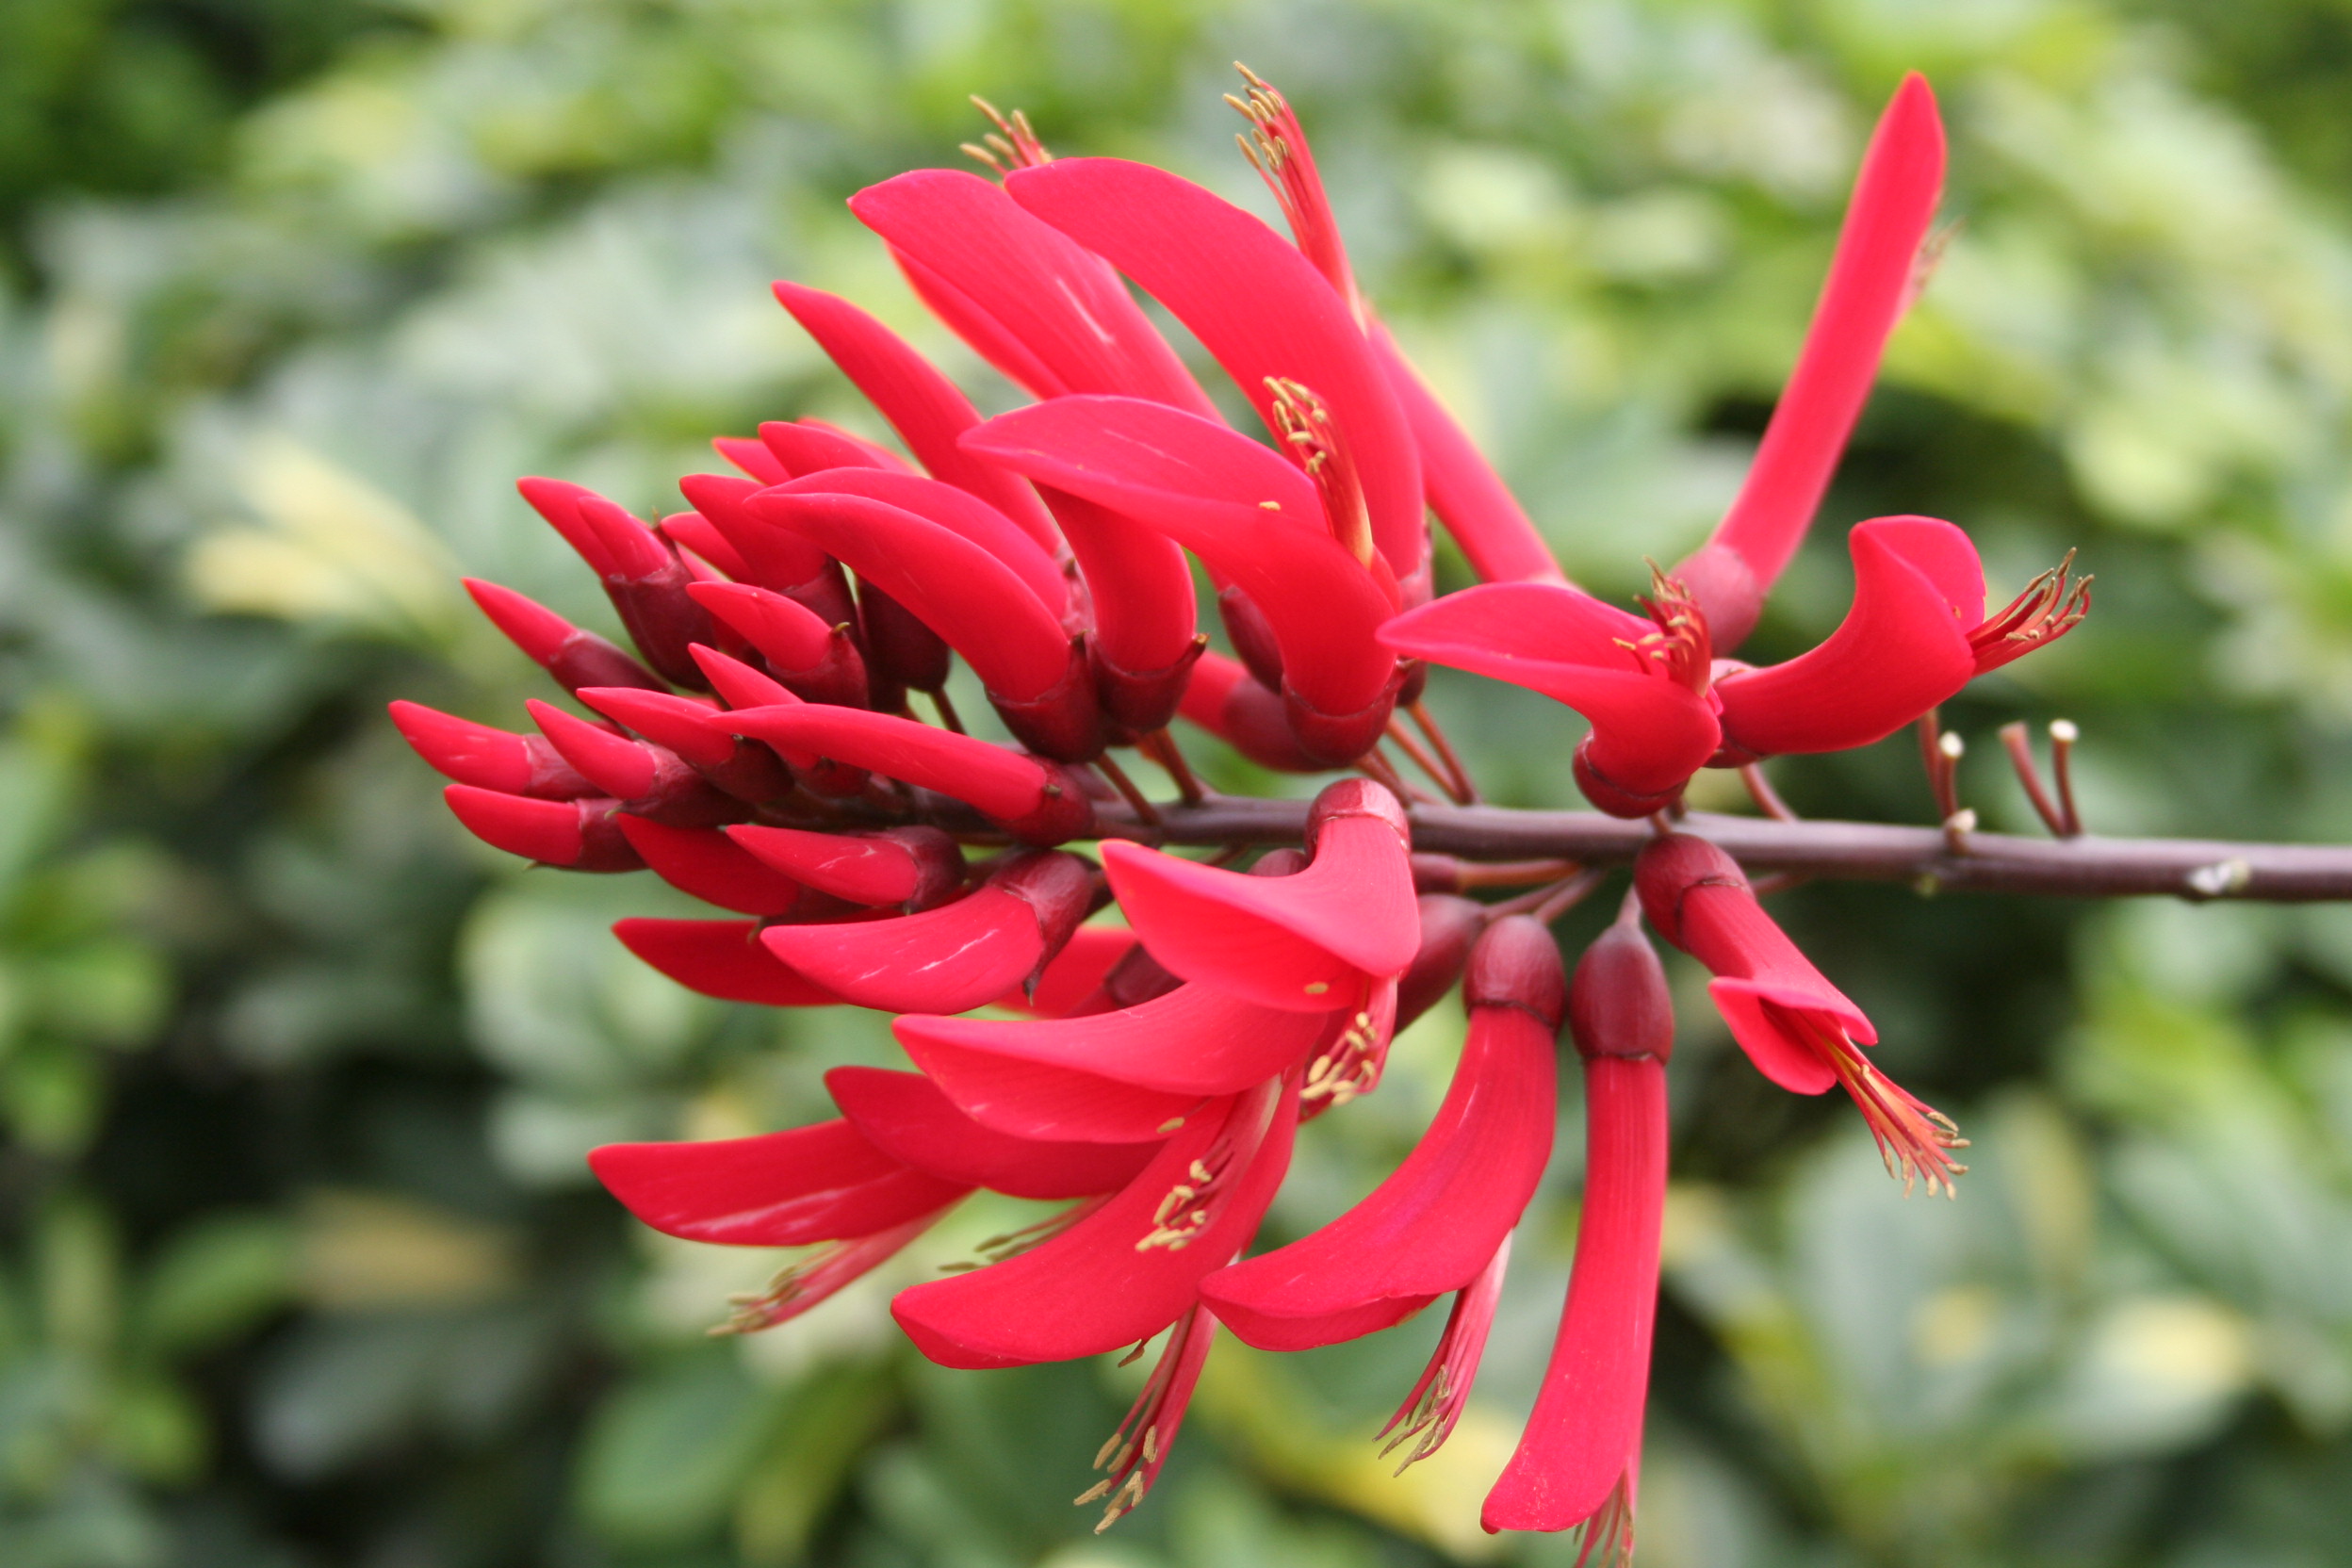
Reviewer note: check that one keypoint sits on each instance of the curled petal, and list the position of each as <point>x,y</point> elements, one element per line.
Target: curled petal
<point>906,1117</point>
<point>1299,942</point>
<point>1902,648</point>
<point>921,404</point>
<point>1130,1268</point>
<point>780,1190</point>
<point>1254,302</point>
<point>720,958</point>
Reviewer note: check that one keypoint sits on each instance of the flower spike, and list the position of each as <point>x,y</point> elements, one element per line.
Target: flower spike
<point>574,657</point>
<point>489,758</point>
<point>577,835</point>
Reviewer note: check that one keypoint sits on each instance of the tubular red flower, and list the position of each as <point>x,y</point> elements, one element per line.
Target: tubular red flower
<point>1071,320</point>
<point>1449,924</point>
<point>906,1117</point>
<point>573,657</point>
<point>707,864</point>
<point>1303,943</point>
<point>804,446</point>
<point>1033,799</point>
<point>1799,1030</point>
<point>1226,499</point>
<point>1583,1442</point>
<point>1143,639</point>
<point>959,512</point>
<point>815,662</point>
<point>650,780</point>
<point>780,1190</point>
<point>948,959</point>
<point>489,758</point>
<point>912,868</point>
<point>981,608</point>
<point>1640,682</point>
<point>743,769</point>
<point>720,958</point>
<point>1131,1267</point>
<point>1438,1219</point>
<point>1254,302</point>
<point>1902,648</point>
<point>1871,281</point>
<point>577,835</point>
<point>774,558</point>
<point>922,405</point>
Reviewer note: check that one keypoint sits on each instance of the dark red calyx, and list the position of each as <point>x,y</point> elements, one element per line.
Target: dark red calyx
<point>1357,797</point>
<point>1672,864</point>
<point>1336,740</point>
<point>900,649</point>
<point>1252,636</point>
<point>1618,1004</point>
<point>1139,702</point>
<point>814,661</point>
<point>574,656</point>
<point>1064,720</point>
<point>1516,964</point>
<point>1058,886</point>
<point>1608,797</point>
<point>646,582</point>
<point>1134,980</point>
<point>1450,926</point>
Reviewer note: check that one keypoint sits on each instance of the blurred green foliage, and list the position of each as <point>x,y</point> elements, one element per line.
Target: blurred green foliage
<point>299,1263</point>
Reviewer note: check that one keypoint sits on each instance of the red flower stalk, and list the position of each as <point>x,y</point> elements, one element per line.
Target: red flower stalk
<point>1578,1459</point>
<point>1872,279</point>
<point>1799,1030</point>
<point>1438,1220</point>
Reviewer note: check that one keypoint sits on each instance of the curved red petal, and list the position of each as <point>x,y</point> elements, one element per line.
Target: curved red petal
<point>1196,1040</point>
<point>1137,580</point>
<point>1434,1224</point>
<point>943,960</point>
<point>1585,1434</point>
<point>922,405</point>
<point>706,863</point>
<point>823,1183</point>
<point>804,446</point>
<point>1003,784</point>
<point>1130,1268</point>
<point>979,606</point>
<point>1869,284</point>
<point>957,510</point>
<point>1038,1100</point>
<point>1063,308</point>
<point>907,1117</point>
<point>1902,649</point>
<point>1254,302</point>
<point>720,958</point>
<point>1073,974</point>
<point>1299,942</point>
<point>1753,1013</point>
<point>984,334</point>
<point>1252,517</point>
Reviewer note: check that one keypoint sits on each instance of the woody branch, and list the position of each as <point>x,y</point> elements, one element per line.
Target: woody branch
<point>2084,867</point>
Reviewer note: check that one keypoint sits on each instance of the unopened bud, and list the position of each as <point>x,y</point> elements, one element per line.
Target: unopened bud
<point>1516,964</point>
<point>1450,926</point>
<point>1670,867</point>
<point>1357,797</point>
<point>1618,1005</point>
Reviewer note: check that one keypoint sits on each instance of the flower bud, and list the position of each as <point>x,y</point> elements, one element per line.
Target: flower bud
<point>1618,1005</point>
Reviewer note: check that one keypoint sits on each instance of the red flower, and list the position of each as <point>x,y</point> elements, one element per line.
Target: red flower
<point>1799,1030</point>
<point>1578,1459</point>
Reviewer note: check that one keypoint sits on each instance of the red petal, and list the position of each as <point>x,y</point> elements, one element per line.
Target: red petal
<point>486,757</point>
<point>574,657</point>
<point>864,868</point>
<point>720,958</point>
<point>1433,1225</point>
<point>1902,648</point>
<point>977,604</point>
<point>904,1115</point>
<point>1246,512</point>
<point>921,404</point>
<point>1303,943</point>
<point>1074,974</point>
<point>682,723</point>
<point>944,960</point>
<point>1752,1012</point>
<point>1227,701</point>
<point>1869,285</point>
<point>1463,488</point>
<point>1003,784</point>
<point>957,510</point>
<point>1033,1099</point>
<point>1254,302</point>
<point>781,1190</point>
<point>707,863</point>
<point>1649,732</point>
<point>693,530</point>
<point>771,557</point>
<point>1196,1040</point>
<point>783,631</point>
<point>984,332</point>
<point>1104,1283</point>
<point>578,835</point>
<point>1071,318</point>
<point>1586,1431</point>
<point>1137,581</point>
<point>803,447</point>
<point>751,457</point>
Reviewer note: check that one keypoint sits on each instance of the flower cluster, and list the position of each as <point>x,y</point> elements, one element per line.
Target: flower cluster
<point>759,750</point>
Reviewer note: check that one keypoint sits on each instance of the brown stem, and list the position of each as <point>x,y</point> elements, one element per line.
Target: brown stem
<point>1825,850</point>
<point>948,715</point>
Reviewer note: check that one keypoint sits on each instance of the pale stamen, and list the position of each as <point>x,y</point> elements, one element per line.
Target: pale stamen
<point>1275,146</point>
<point>1427,1417</point>
<point>1012,145</point>
<point>1135,1449</point>
<point>1914,1138</point>
<point>2049,607</point>
<point>1302,423</point>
